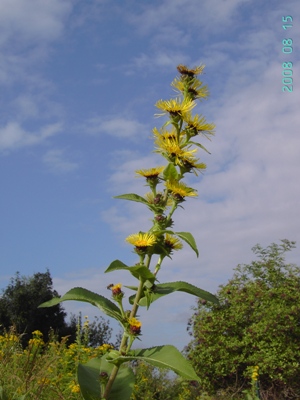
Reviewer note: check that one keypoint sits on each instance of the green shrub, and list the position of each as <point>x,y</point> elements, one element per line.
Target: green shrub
<point>256,324</point>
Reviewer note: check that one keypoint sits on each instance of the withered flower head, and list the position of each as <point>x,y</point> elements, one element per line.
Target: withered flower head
<point>184,70</point>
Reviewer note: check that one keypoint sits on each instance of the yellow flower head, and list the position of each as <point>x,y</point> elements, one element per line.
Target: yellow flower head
<point>195,88</point>
<point>37,333</point>
<point>198,124</point>
<point>43,381</point>
<point>175,106</point>
<point>104,347</point>
<point>151,173</point>
<point>158,199</point>
<point>173,151</point>
<point>163,135</point>
<point>254,375</point>
<point>134,326</point>
<point>190,163</point>
<point>141,240</point>
<point>75,388</point>
<point>180,190</point>
<point>117,289</point>
<point>172,243</point>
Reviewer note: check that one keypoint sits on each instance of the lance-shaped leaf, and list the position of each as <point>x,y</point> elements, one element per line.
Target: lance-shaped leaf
<point>138,271</point>
<point>170,172</point>
<point>137,198</point>
<point>162,289</point>
<point>81,294</point>
<point>116,265</point>
<point>189,239</point>
<point>88,378</point>
<point>164,357</point>
<point>201,146</point>
<point>132,197</point>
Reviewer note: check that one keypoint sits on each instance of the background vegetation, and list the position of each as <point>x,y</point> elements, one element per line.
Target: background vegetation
<point>248,347</point>
<point>256,324</point>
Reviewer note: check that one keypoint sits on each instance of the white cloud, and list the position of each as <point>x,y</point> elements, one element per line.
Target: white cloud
<point>155,18</point>
<point>27,28</point>
<point>157,59</point>
<point>13,136</point>
<point>27,106</point>
<point>56,161</point>
<point>32,21</point>
<point>117,126</point>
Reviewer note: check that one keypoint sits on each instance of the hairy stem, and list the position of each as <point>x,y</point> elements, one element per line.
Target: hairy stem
<point>124,341</point>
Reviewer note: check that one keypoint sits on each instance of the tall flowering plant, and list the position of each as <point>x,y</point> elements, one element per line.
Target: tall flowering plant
<point>110,377</point>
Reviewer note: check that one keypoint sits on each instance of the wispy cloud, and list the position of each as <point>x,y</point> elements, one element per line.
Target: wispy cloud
<point>32,21</point>
<point>13,136</point>
<point>56,161</point>
<point>118,126</point>
<point>167,13</point>
<point>156,59</point>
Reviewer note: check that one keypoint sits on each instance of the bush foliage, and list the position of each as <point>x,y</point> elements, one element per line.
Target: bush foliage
<point>256,324</point>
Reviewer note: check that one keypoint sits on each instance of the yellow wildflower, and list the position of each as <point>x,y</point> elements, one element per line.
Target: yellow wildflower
<point>254,375</point>
<point>75,388</point>
<point>180,190</point>
<point>141,240</point>
<point>175,106</point>
<point>116,290</point>
<point>190,163</point>
<point>198,124</point>
<point>158,199</point>
<point>37,333</point>
<point>174,151</point>
<point>104,347</point>
<point>172,135</point>
<point>195,89</point>
<point>151,173</point>
<point>134,326</point>
<point>172,243</point>
<point>43,381</point>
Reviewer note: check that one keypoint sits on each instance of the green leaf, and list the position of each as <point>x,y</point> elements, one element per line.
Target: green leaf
<point>164,357</point>
<point>138,271</point>
<point>116,265</point>
<point>3,394</point>
<point>189,239</point>
<point>132,197</point>
<point>170,172</point>
<point>163,289</point>
<point>88,378</point>
<point>200,145</point>
<point>143,273</point>
<point>81,294</point>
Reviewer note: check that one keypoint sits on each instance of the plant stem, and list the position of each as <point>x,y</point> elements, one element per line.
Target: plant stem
<point>123,344</point>
<point>139,291</point>
<point>111,380</point>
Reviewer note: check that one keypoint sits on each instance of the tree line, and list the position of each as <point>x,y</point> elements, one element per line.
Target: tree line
<point>19,310</point>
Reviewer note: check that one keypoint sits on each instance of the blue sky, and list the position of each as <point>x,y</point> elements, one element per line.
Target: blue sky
<point>79,80</point>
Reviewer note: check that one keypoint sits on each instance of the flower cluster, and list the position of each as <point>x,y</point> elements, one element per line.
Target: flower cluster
<point>43,370</point>
<point>254,375</point>
<point>173,142</point>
